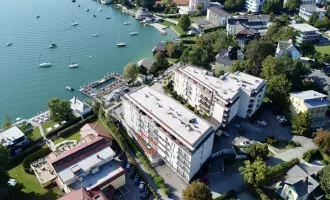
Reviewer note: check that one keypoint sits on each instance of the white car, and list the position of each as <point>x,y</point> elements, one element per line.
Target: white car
<point>280,117</point>
<point>245,143</point>
<point>263,122</point>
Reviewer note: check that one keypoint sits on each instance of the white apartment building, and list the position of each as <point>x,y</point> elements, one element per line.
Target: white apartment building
<point>306,10</point>
<point>193,4</point>
<point>167,130</point>
<point>217,16</point>
<point>222,98</point>
<point>307,32</point>
<point>254,5</point>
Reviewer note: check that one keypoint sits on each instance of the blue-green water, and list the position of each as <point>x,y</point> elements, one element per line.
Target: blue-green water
<point>24,87</point>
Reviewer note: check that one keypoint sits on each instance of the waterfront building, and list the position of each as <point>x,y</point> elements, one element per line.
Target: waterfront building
<point>79,108</point>
<point>306,10</point>
<point>160,47</point>
<point>106,1</point>
<point>223,98</point>
<point>13,139</point>
<point>254,5</point>
<point>307,32</point>
<point>142,13</point>
<point>168,131</point>
<point>193,4</point>
<point>287,47</point>
<point>147,63</point>
<point>217,16</point>
<point>310,101</point>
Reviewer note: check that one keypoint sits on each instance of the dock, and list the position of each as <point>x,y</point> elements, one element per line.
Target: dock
<point>159,27</point>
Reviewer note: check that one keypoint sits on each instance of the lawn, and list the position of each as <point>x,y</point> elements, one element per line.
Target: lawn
<point>280,146</point>
<point>323,49</point>
<point>172,60</point>
<point>30,188</point>
<point>175,27</point>
<point>35,134</point>
<point>73,135</point>
<point>49,124</point>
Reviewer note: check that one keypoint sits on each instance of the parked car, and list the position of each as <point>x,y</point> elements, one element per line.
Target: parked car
<point>263,122</point>
<point>136,179</point>
<point>279,117</point>
<point>245,143</point>
<point>128,166</point>
<point>132,173</point>
<point>204,180</point>
<point>142,186</point>
<point>226,134</point>
<point>145,194</point>
<point>123,163</point>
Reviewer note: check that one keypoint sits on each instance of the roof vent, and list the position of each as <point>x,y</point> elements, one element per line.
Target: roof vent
<point>146,95</point>
<point>159,105</point>
<point>170,108</point>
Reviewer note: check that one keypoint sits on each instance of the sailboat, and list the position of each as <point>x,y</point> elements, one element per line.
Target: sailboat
<point>43,64</point>
<point>74,24</point>
<point>133,33</point>
<point>52,45</point>
<point>73,65</point>
<point>120,44</point>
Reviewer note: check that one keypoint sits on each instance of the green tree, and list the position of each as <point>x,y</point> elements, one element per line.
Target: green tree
<point>60,110</point>
<point>184,58</point>
<point>257,150</point>
<point>161,61</point>
<point>313,18</point>
<point>173,50</point>
<point>200,6</point>
<point>234,4</point>
<point>328,11</point>
<point>322,23</point>
<point>278,31</point>
<point>254,172</point>
<point>5,190</point>
<point>184,22</point>
<point>322,140</point>
<point>143,70</point>
<point>324,180</point>
<point>240,66</point>
<point>197,191</point>
<point>7,123</point>
<point>301,123</point>
<point>222,40</point>
<point>292,4</point>
<point>272,6</point>
<point>307,48</point>
<point>124,2</point>
<point>131,71</point>
<point>147,3</point>
<point>278,88</point>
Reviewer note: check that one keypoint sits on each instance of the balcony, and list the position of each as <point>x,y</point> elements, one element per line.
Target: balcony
<point>249,110</point>
<point>183,161</point>
<point>184,168</point>
<point>184,156</point>
<point>250,106</point>
<point>251,100</point>
<point>205,98</point>
<point>206,104</point>
<point>204,108</point>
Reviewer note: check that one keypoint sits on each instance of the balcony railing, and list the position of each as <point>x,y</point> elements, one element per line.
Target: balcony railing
<point>184,156</point>
<point>183,161</point>
<point>182,167</point>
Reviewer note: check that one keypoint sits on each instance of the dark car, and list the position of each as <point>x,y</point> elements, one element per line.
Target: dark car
<point>123,163</point>
<point>132,173</point>
<point>145,194</point>
<point>136,179</point>
<point>128,166</point>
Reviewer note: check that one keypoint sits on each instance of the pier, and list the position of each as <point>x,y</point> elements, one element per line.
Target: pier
<point>159,27</point>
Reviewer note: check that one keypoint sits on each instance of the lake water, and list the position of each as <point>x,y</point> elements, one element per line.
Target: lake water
<point>25,88</point>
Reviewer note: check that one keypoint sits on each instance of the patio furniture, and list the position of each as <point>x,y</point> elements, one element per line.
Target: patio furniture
<point>12,182</point>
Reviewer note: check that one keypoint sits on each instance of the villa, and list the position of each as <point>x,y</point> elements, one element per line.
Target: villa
<point>287,47</point>
<point>13,139</point>
<point>306,11</point>
<point>307,32</point>
<point>80,108</point>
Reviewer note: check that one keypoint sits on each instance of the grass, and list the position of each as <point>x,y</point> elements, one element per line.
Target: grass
<point>49,124</point>
<point>35,134</point>
<point>323,49</point>
<point>30,188</point>
<point>280,146</point>
<point>177,28</point>
<point>73,135</point>
<point>172,60</point>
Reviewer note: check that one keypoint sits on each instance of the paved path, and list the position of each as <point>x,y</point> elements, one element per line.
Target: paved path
<point>42,132</point>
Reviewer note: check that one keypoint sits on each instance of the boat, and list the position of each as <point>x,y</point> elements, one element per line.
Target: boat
<point>94,15</point>
<point>95,35</point>
<point>73,65</point>
<point>9,44</point>
<point>108,18</point>
<point>74,24</point>
<point>78,6</point>
<point>133,33</point>
<point>37,16</point>
<point>69,88</point>
<point>99,10</point>
<point>87,9</point>
<point>73,1</point>
<point>45,64</point>
<point>120,44</point>
<point>52,46</point>
<point>126,23</point>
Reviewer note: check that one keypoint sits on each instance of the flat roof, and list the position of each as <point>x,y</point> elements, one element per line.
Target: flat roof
<point>219,11</point>
<point>309,94</point>
<point>312,7</point>
<point>228,85</point>
<point>8,136</point>
<point>304,27</point>
<point>170,114</point>
<point>86,164</point>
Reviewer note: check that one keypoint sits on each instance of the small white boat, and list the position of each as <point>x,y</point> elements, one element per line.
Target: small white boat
<point>74,24</point>
<point>121,44</point>
<point>51,46</point>
<point>69,88</point>
<point>99,10</point>
<point>133,33</point>
<point>73,65</point>
<point>95,35</point>
<point>108,18</point>
<point>87,9</point>
<point>45,64</point>
<point>9,44</point>
<point>37,16</point>
<point>126,23</point>
<point>94,15</point>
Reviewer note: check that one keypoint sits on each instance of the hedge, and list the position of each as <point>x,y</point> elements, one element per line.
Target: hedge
<point>187,41</point>
<point>212,29</point>
<point>34,157</point>
<point>310,154</point>
<point>261,194</point>
<point>281,168</point>
<point>231,194</point>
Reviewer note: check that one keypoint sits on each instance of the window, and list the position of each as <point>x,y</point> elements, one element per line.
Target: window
<point>202,157</point>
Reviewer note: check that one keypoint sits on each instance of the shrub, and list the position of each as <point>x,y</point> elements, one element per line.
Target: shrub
<point>294,143</point>
<point>270,139</point>
<point>281,168</point>
<point>310,154</point>
<point>34,157</point>
<point>196,111</point>
<point>158,180</point>
<point>261,194</point>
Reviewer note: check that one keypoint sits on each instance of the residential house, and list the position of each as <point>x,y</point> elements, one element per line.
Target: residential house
<point>254,5</point>
<point>307,32</point>
<point>262,19</point>
<point>79,108</point>
<point>298,184</point>
<point>13,139</point>
<point>141,13</point>
<point>310,101</point>
<point>226,58</point>
<point>147,63</point>
<point>83,194</point>
<point>217,16</point>
<point>287,47</point>
<point>168,131</point>
<point>97,131</point>
<point>160,47</point>
<point>193,4</point>
<point>223,98</point>
<point>306,10</point>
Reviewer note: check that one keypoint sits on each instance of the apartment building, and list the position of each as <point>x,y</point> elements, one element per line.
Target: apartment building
<point>168,131</point>
<point>304,2</point>
<point>254,5</point>
<point>233,94</point>
<point>310,101</point>
<point>13,139</point>
<point>193,4</point>
<point>307,32</point>
<point>217,16</point>
<point>306,10</point>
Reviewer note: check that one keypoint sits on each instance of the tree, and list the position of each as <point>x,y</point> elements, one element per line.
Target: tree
<point>147,3</point>
<point>307,48</point>
<point>7,123</point>
<point>254,173</point>
<point>322,140</point>
<point>257,150</point>
<point>131,71</point>
<point>222,40</point>
<point>173,50</point>
<point>328,11</point>
<point>200,6</point>
<point>184,58</point>
<point>272,6</point>
<point>240,66</point>
<point>184,22</point>
<point>324,180</point>
<point>124,2</point>
<point>60,110</point>
<point>322,23</point>
<point>5,190</point>
<point>279,31</point>
<point>292,4</point>
<point>301,123</point>
<point>197,191</point>
<point>234,4</point>
<point>313,18</point>
<point>143,70</point>
<point>161,61</point>
<point>278,88</point>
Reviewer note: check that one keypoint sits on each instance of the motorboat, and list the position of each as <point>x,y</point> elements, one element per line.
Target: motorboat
<point>126,23</point>
<point>121,44</point>
<point>74,24</point>
<point>45,64</point>
<point>52,46</point>
<point>37,16</point>
<point>9,44</point>
<point>133,33</point>
<point>78,6</point>
<point>69,88</point>
<point>87,9</point>
<point>108,18</point>
<point>99,10</point>
<point>95,35</point>
<point>73,1</point>
<point>94,15</point>
<point>73,65</point>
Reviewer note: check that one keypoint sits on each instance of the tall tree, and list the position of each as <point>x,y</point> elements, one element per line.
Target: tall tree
<point>60,110</point>
<point>254,173</point>
<point>222,40</point>
<point>324,180</point>
<point>301,123</point>
<point>5,190</point>
<point>161,61</point>
<point>147,3</point>
<point>272,6</point>
<point>184,22</point>
<point>200,6</point>
<point>278,88</point>
<point>313,18</point>
<point>173,50</point>
<point>197,191</point>
<point>240,66</point>
<point>292,4</point>
<point>307,48</point>
<point>322,140</point>
<point>131,71</point>
<point>7,123</point>
<point>257,150</point>
<point>184,58</point>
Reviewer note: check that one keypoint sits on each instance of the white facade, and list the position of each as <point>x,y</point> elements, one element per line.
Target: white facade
<point>79,107</point>
<point>307,32</point>
<point>222,98</point>
<point>254,5</point>
<point>307,10</point>
<point>217,16</point>
<point>287,47</point>
<point>193,4</point>
<point>13,137</point>
<point>167,130</point>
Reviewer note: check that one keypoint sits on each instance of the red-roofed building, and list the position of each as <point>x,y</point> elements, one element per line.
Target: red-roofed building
<point>96,130</point>
<point>82,194</point>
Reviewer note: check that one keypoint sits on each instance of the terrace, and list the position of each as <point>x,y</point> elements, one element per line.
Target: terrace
<point>43,171</point>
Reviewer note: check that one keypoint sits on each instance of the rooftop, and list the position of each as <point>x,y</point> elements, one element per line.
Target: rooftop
<point>308,95</point>
<point>80,194</point>
<point>228,85</point>
<point>218,11</point>
<point>304,27</point>
<point>79,106</point>
<point>312,7</point>
<point>171,114</point>
<point>146,63</point>
<point>94,129</point>
<point>8,136</point>
<point>254,17</point>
